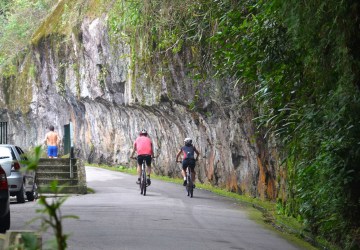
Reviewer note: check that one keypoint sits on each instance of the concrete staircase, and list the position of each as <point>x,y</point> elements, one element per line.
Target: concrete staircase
<point>59,169</point>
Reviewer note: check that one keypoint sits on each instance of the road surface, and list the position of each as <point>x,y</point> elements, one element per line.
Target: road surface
<point>117,217</point>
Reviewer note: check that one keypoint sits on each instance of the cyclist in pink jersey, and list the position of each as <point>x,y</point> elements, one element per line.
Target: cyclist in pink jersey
<point>144,149</point>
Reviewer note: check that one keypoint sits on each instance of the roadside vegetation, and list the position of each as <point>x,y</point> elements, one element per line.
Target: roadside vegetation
<point>296,65</point>
<point>18,21</point>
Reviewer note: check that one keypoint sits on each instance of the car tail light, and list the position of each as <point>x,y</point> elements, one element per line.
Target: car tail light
<point>15,166</point>
<point>3,180</point>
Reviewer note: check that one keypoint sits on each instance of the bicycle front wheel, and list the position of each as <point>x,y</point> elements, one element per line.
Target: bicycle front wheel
<point>191,190</point>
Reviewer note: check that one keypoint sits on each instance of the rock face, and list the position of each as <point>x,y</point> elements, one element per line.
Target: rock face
<point>88,80</point>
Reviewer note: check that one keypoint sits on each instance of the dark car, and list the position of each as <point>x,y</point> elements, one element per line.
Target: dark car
<point>4,202</point>
<point>21,181</point>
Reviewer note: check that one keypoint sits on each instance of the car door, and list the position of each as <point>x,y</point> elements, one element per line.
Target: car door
<point>6,158</point>
<point>29,175</point>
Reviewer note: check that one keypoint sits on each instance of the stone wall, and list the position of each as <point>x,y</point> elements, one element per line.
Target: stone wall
<point>88,80</point>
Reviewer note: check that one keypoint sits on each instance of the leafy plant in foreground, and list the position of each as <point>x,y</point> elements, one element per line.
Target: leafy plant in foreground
<point>50,213</point>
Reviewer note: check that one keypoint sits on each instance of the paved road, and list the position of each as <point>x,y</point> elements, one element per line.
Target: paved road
<point>116,216</point>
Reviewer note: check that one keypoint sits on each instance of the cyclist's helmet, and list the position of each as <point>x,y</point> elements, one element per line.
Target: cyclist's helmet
<point>143,132</point>
<point>188,141</point>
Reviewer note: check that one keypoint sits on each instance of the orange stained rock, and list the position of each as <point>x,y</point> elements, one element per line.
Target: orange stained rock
<point>210,167</point>
<point>232,184</point>
<point>266,185</point>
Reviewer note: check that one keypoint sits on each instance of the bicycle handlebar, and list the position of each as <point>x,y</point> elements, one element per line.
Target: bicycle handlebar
<point>181,161</point>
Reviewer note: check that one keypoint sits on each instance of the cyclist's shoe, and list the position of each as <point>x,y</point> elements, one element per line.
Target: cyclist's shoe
<point>148,182</point>
<point>185,182</point>
<point>138,181</point>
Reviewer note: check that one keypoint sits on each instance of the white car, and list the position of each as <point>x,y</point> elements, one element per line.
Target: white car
<point>21,182</point>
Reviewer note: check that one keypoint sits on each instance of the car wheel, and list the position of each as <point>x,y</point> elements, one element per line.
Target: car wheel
<point>20,196</point>
<point>5,223</point>
<point>30,196</point>
<point>33,194</point>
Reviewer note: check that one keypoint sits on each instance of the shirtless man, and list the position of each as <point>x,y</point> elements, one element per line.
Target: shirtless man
<point>52,140</point>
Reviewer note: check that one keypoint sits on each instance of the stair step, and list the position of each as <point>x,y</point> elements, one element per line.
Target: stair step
<point>55,175</point>
<point>54,172</point>
<point>53,165</point>
<point>56,169</point>
<point>58,179</point>
<point>59,169</point>
<point>64,181</point>
<point>64,189</point>
<point>55,161</point>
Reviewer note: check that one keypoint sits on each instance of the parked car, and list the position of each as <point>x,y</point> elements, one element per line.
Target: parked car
<point>4,202</point>
<point>21,181</point>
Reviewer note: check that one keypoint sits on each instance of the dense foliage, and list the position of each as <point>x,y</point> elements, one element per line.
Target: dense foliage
<point>302,66</point>
<point>18,21</point>
<point>297,63</point>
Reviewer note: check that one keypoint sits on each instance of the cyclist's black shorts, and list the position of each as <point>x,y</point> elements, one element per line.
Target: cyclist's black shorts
<point>188,163</point>
<point>147,159</point>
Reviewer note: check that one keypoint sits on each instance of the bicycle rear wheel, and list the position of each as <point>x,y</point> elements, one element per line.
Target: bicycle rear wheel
<point>144,190</point>
<point>190,188</point>
<point>143,183</point>
<point>189,185</point>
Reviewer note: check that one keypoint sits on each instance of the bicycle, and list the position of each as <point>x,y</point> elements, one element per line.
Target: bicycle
<point>189,182</point>
<point>143,178</point>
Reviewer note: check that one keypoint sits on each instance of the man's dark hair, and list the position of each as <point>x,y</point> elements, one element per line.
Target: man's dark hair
<point>51,128</point>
